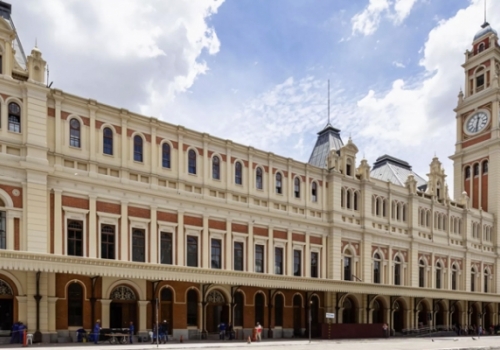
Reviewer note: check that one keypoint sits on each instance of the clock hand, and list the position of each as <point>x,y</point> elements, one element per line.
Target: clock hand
<point>477,124</point>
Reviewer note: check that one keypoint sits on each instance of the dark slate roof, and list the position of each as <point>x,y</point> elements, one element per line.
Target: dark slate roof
<point>387,168</point>
<point>328,138</point>
<point>485,29</point>
<point>5,12</point>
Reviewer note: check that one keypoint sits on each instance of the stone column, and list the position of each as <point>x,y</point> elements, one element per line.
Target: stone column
<point>93,229</point>
<point>270,251</point>
<point>251,250</point>
<point>52,314</point>
<point>307,256</point>
<point>143,304</point>
<point>58,230</point>
<point>22,309</point>
<point>153,231</point>
<point>124,232</point>
<point>322,265</point>
<point>10,229</point>
<point>289,254</point>
<point>205,244</point>
<point>105,303</point>
<point>229,247</point>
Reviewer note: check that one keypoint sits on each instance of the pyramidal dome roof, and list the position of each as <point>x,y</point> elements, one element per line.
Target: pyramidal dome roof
<point>485,29</point>
<point>328,139</point>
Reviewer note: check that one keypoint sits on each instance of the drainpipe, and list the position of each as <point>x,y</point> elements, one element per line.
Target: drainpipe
<point>37,338</point>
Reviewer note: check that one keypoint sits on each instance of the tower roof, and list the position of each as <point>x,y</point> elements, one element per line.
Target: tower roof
<point>5,12</point>
<point>394,170</point>
<point>328,139</point>
<point>485,29</point>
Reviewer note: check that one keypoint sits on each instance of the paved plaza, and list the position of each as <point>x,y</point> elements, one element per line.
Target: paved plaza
<point>462,343</point>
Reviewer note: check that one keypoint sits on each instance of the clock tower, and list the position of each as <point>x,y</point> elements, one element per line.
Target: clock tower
<point>477,151</point>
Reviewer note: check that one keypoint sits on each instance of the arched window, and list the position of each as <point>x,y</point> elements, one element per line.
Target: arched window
<point>74,133</point>
<point>454,277</point>
<point>314,192</point>
<point>384,208</point>
<point>467,172</point>
<point>192,308</point>
<point>421,273</point>
<point>258,179</point>
<point>472,280</point>
<point>476,169</point>
<point>138,151</point>
<point>296,187</point>
<point>481,47</point>
<point>107,141</point>
<point>238,175</point>
<point>486,278</point>
<point>342,195</point>
<point>376,268</point>
<point>348,199</point>
<point>348,313</point>
<point>397,271</point>
<point>259,309</point>
<point>347,265</point>
<point>278,183</point>
<point>14,117</point>
<point>216,168</point>
<point>427,218</point>
<point>403,212</point>
<point>192,162</point>
<point>378,202</point>
<point>438,275</point>
<point>485,167</point>
<point>75,304</point>
<point>356,195</point>
<point>348,167</point>
<point>165,155</point>
<point>279,303</point>
<point>239,307</point>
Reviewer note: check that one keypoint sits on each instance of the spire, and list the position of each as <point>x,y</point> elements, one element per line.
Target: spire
<point>328,102</point>
<point>485,12</point>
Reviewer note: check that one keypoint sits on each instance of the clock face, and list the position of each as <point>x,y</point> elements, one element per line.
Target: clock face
<point>476,123</point>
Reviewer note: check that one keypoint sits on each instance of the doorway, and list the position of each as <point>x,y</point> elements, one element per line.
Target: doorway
<point>217,311</point>
<point>123,308</point>
<point>166,307</point>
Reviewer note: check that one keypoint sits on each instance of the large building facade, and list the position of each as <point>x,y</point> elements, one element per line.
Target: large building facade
<point>107,214</point>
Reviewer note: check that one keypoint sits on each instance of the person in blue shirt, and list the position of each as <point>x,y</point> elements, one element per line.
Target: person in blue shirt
<point>20,333</point>
<point>222,331</point>
<point>14,339</point>
<point>131,331</point>
<point>96,331</point>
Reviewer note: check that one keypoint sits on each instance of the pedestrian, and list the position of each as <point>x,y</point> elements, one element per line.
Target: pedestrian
<point>258,332</point>
<point>164,329</point>
<point>21,330</point>
<point>386,330</point>
<point>14,333</point>
<point>96,331</point>
<point>155,333</point>
<point>479,331</point>
<point>230,331</point>
<point>131,331</point>
<point>222,331</point>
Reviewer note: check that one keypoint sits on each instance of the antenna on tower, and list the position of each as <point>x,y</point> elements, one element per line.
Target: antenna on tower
<point>484,11</point>
<point>328,101</point>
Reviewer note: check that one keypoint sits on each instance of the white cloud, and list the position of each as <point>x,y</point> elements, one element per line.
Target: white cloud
<point>367,21</point>
<point>151,44</point>
<point>398,64</point>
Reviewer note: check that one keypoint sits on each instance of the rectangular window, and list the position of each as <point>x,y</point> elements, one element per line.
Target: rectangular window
<point>347,268</point>
<point>297,263</point>
<point>278,261</point>
<point>238,256</point>
<point>259,258</point>
<point>192,251</point>
<point>3,232</point>
<point>75,238</point>
<point>107,242</point>
<point>421,276</point>
<point>138,245</point>
<point>314,264</point>
<point>166,248</point>
<point>216,254</point>
<point>480,81</point>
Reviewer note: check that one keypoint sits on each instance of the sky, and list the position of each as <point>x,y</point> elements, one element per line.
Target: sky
<point>257,71</point>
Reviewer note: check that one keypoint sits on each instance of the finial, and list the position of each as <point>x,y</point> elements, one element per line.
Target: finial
<point>36,42</point>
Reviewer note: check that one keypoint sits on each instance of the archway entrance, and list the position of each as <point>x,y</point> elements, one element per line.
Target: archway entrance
<point>377,313</point>
<point>297,315</point>
<point>348,311</point>
<point>487,318</point>
<point>474,315</point>
<point>217,311</point>
<point>6,308</point>
<point>440,316</point>
<point>315,325</point>
<point>398,317</point>
<point>423,315</point>
<point>166,307</point>
<point>123,308</point>
<point>455,316</point>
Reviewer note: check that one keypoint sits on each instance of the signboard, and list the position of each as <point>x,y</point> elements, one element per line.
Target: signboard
<point>330,315</point>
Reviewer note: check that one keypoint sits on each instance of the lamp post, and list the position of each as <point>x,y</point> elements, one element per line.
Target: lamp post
<point>310,319</point>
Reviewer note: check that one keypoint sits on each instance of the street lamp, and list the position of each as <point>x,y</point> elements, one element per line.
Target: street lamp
<point>310,319</point>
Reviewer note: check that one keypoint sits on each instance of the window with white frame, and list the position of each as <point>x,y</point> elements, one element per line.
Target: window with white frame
<point>314,264</point>
<point>108,241</point>
<point>314,192</point>
<point>75,238</point>
<point>297,262</point>
<point>278,260</point>
<point>138,245</point>
<point>216,254</point>
<point>259,258</point>
<point>166,248</point>
<point>192,251</point>
<point>377,268</point>
<point>238,255</point>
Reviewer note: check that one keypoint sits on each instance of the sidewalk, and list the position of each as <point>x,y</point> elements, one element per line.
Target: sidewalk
<point>462,343</point>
